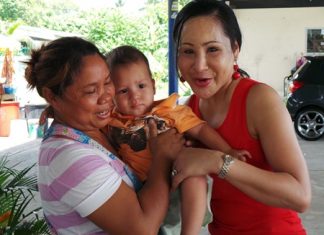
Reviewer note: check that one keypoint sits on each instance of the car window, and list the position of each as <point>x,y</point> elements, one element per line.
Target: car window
<point>315,73</point>
<point>321,73</point>
<point>311,72</point>
<point>299,74</point>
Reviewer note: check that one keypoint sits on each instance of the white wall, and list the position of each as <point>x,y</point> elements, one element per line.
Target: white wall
<point>273,39</point>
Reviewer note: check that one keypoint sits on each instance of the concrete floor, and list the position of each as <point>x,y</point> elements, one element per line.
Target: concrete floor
<point>313,219</point>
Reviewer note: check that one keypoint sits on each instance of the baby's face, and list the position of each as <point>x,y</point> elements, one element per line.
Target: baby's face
<point>134,89</point>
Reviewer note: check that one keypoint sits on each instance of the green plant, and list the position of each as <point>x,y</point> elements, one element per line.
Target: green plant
<point>107,27</point>
<point>17,192</point>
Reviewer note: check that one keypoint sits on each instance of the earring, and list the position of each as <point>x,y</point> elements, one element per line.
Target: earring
<point>182,79</point>
<point>236,75</point>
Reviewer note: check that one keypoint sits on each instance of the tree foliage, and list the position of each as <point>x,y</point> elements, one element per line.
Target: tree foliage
<point>12,10</point>
<point>107,27</point>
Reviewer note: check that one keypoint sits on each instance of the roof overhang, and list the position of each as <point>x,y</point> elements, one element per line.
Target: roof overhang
<point>247,4</point>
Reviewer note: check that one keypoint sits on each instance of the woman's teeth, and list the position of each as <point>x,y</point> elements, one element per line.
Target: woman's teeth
<point>103,113</point>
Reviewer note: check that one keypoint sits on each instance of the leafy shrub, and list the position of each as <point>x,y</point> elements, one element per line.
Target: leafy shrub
<point>17,194</point>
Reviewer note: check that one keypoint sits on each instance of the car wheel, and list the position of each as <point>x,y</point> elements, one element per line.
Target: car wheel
<point>309,124</point>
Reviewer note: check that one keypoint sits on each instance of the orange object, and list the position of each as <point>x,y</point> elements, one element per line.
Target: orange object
<point>8,110</point>
<point>5,216</point>
<point>7,68</point>
<point>1,89</point>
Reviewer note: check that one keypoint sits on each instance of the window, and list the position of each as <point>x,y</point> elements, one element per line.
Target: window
<point>315,41</point>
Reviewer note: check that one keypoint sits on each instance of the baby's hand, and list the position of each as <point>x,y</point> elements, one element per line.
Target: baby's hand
<point>240,154</point>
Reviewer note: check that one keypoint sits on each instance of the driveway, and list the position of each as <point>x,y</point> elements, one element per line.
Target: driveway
<point>313,219</point>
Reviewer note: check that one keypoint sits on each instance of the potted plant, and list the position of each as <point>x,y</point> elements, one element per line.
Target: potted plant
<point>17,190</point>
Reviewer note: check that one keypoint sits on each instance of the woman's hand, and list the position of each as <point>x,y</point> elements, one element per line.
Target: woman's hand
<point>195,162</point>
<point>167,144</point>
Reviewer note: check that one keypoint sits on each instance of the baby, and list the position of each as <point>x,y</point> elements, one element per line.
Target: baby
<point>134,101</point>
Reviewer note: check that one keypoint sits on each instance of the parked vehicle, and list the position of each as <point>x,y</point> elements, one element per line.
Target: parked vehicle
<point>305,98</point>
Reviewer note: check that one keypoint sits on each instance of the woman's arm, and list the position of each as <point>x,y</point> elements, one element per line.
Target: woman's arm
<point>209,137</point>
<point>268,120</point>
<point>213,140</point>
<point>289,184</point>
<point>125,212</point>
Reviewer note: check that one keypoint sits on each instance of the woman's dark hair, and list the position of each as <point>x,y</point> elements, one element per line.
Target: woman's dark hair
<point>218,9</point>
<point>125,55</point>
<point>56,64</point>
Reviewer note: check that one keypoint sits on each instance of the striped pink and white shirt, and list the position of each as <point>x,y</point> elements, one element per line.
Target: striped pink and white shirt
<point>74,180</point>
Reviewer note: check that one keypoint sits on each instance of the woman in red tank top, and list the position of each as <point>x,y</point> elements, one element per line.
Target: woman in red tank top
<point>262,195</point>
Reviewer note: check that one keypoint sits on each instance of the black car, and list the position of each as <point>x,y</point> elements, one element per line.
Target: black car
<point>305,98</point>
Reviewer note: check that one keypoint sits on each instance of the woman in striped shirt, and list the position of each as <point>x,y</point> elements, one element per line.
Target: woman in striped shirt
<point>84,187</point>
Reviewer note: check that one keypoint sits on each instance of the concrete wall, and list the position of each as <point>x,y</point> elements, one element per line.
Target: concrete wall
<point>273,39</point>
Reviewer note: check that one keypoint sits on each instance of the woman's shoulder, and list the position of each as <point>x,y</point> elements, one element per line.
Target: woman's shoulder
<point>59,155</point>
<point>63,144</point>
<point>69,151</point>
<point>261,92</point>
<point>264,99</point>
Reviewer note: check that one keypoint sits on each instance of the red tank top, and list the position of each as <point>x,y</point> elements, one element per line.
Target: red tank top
<point>234,213</point>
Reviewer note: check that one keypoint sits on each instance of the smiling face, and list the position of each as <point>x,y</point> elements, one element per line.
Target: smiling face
<point>134,88</point>
<point>205,55</point>
<point>86,104</point>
